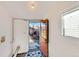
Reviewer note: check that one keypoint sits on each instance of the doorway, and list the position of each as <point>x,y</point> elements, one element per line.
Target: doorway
<point>30,37</point>
<point>38,38</point>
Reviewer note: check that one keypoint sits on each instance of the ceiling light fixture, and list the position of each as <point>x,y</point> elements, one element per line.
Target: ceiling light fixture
<point>33,5</point>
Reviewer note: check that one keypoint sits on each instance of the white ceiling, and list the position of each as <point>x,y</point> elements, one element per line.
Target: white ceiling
<point>21,9</point>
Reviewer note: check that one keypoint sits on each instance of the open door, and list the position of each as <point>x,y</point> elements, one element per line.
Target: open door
<point>44,37</point>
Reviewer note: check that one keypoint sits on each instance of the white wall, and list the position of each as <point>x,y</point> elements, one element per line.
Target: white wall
<point>5,30</point>
<point>59,46</point>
